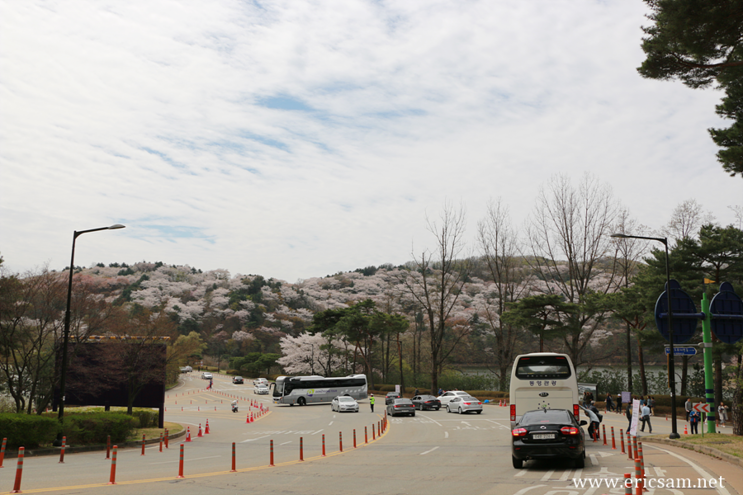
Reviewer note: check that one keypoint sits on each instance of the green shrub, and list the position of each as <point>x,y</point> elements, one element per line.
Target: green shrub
<point>95,427</point>
<point>147,417</point>
<point>28,430</point>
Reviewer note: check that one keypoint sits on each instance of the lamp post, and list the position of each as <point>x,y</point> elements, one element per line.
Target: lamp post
<point>671,365</point>
<point>66,334</point>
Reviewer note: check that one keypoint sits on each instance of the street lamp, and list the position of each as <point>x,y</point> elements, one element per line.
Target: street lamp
<point>671,365</point>
<point>66,334</point>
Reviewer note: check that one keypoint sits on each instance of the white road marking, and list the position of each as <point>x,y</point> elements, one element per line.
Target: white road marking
<point>253,439</point>
<point>547,475</point>
<point>594,461</point>
<point>428,451</point>
<point>330,424</point>
<point>524,490</point>
<point>446,434</point>
<point>565,475</point>
<point>697,468</point>
<point>520,473</point>
<point>428,417</point>
<point>318,431</point>
<point>285,442</point>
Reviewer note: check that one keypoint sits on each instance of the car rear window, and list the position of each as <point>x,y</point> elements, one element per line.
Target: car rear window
<point>546,416</point>
<point>554,367</point>
<point>403,401</point>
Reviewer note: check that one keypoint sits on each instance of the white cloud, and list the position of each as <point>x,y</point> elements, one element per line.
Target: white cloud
<point>168,117</point>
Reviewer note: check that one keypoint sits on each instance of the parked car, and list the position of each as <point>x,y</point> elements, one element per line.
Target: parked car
<point>186,369</point>
<point>344,403</point>
<point>260,381</point>
<point>401,406</point>
<point>206,376</point>
<point>390,397</point>
<point>260,389</point>
<point>548,433</point>
<point>237,379</point>
<point>464,404</point>
<point>447,396</point>
<point>424,402</point>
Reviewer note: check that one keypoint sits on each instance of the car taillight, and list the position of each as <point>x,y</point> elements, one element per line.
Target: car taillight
<point>569,430</point>
<point>513,412</point>
<point>396,407</point>
<point>468,403</point>
<point>428,402</point>
<point>519,432</point>
<point>576,412</point>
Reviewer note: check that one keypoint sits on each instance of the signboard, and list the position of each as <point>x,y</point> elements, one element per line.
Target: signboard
<point>701,407</point>
<point>727,314</point>
<point>635,417</point>
<point>685,316</point>
<point>397,389</point>
<point>682,351</point>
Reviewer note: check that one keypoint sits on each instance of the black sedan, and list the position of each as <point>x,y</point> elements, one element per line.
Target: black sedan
<point>424,402</point>
<point>548,434</point>
<point>390,397</point>
<point>401,406</point>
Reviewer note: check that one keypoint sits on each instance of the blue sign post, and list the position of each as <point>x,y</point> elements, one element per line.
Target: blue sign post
<point>682,351</point>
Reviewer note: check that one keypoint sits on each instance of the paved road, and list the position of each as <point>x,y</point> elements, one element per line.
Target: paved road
<point>434,452</point>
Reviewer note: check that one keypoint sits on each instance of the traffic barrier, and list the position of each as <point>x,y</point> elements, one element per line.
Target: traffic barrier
<point>366,435</point>
<point>112,477</point>
<point>19,471</point>
<point>627,486</point>
<point>323,445</point>
<point>301,449</point>
<point>604,433</point>
<point>188,434</point>
<point>167,446</point>
<point>621,437</point>
<point>340,440</point>
<point>613,442</point>
<point>206,430</point>
<point>629,446</point>
<point>161,442</point>
<point>637,476</point>
<point>143,442</point>
<point>2,451</point>
<point>374,435</point>
<point>180,463</point>
<point>354,438</point>
<point>233,458</point>
<point>108,446</point>
<point>61,452</point>
<point>271,460</point>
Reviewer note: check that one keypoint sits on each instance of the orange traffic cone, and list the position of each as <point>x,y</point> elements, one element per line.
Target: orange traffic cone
<point>188,434</point>
<point>247,418</point>
<point>686,430</point>
<point>206,431</point>
<point>199,435</point>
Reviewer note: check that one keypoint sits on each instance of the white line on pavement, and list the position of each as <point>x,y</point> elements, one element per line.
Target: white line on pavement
<point>547,475</point>
<point>253,439</point>
<point>428,451</point>
<point>697,468</point>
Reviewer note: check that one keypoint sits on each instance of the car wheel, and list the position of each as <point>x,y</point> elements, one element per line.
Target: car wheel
<point>479,412</point>
<point>460,410</point>
<point>580,462</point>
<point>517,463</point>
<point>412,414</point>
<point>301,401</point>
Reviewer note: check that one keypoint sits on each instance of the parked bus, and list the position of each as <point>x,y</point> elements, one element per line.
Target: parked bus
<point>316,389</point>
<point>543,380</point>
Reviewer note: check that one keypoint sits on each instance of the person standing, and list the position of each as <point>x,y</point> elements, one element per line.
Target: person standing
<point>371,402</point>
<point>687,406</point>
<point>628,413</point>
<point>619,403</point>
<point>694,421</point>
<point>651,403</point>
<point>722,412</point>
<point>645,418</point>
<point>609,403</point>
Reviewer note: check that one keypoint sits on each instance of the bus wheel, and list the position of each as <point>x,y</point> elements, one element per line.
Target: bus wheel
<point>301,401</point>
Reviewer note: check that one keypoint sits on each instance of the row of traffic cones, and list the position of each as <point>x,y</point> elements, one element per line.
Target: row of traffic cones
<point>200,434</point>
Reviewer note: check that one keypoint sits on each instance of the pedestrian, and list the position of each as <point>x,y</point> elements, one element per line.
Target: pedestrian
<point>687,406</point>
<point>628,413</point>
<point>609,403</point>
<point>645,418</point>
<point>651,403</point>
<point>441,392</point>
<point>371,402</point>
<point>619,403</point>
<point>722,412</point>
<point>593,428</point>
<point>415,394</point>
<point>694,421</point>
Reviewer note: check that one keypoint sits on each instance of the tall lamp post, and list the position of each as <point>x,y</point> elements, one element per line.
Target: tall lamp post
<point>66,334</point>
<point>671,364</point>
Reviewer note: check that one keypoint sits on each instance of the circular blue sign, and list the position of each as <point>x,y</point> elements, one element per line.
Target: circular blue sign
<point>727,303</point>
<point>685,314</point>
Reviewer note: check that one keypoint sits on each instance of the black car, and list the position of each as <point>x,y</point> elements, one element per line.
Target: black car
<point>390,397</point>
<point>424,402</point>
<point>401,406</point>
<point>546,434</point>
<point>237,379</point>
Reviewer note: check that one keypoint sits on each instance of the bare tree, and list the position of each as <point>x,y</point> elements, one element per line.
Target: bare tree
<point>569,239</point>
<point>499,245</point>
<point>435,281</point>
<point>686,220</point>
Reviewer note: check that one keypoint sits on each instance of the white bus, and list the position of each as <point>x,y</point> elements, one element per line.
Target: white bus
<point>543,380</point>
<point>316,389</point>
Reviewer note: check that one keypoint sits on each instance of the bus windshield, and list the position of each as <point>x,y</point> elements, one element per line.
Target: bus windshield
<point>551,367</point>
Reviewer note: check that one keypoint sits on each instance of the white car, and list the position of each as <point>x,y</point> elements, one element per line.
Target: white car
<point>206,376</point>
<point>343,403</point>
<point>448,396</point>
<point>260,389</point>
<point>260,381</point>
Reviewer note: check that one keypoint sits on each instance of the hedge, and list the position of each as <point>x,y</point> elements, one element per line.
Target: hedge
<point>27,430</point>
<point>95,427</point>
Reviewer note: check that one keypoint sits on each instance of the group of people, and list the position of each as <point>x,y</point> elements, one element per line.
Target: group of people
<point>694,417</point>
<point>646,410</point>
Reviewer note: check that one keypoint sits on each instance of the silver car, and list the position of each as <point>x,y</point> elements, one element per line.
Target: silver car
<point>343,403</point>
<point>464,404</point>
<point>260,390</point>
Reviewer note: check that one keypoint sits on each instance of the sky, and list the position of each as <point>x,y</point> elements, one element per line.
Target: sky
<point>295,139</point>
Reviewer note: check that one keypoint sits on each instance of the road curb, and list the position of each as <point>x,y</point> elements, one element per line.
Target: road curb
<point>89,448</point>
<point>702,449</point>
